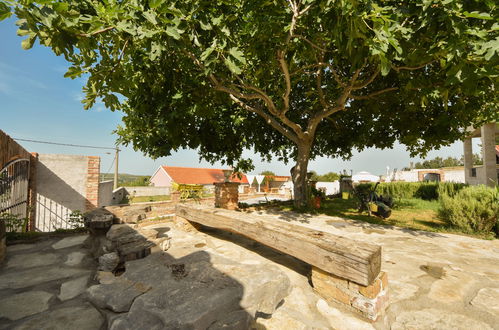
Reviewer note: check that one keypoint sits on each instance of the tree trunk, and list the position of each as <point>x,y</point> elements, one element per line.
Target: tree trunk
<point>299,176</point>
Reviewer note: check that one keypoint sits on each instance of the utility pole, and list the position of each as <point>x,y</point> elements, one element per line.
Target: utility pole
<point>115,185</point>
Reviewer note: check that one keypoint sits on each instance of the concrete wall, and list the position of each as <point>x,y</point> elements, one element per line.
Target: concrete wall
<point>63,185</point>
<point>148,191</point>
<point>454,176</point>
<point>106,193</point>
<point>161,179</point>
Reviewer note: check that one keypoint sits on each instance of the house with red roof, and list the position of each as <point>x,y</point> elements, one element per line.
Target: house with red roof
<point>165,176</point>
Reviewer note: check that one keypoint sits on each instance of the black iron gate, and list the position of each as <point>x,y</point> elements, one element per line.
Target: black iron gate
<point>14,194</point>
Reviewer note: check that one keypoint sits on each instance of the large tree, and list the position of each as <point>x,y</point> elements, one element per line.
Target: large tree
<point>292,79</point>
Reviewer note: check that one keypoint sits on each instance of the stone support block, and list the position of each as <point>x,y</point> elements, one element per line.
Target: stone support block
<point>369,301</point>
<point>226,195</point>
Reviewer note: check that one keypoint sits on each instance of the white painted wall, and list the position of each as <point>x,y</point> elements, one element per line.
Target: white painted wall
<point>332,188</point>
<point>454,176</point>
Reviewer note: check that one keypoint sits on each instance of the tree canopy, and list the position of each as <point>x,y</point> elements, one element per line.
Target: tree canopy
<point>292,79</point>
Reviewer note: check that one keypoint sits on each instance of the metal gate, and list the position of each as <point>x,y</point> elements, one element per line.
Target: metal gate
<point>14,194</point>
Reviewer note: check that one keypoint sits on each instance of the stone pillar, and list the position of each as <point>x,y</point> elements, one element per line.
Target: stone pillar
<point>369,301</point>
<point>175,196</point>
<point>468,158</point>
<point>489,155</point>
<point>226,195</point>
<point>93,173</point>
<point>3,241</point>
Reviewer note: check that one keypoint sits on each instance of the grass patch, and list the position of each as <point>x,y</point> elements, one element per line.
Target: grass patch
<point>142,199</point>
<point>412,213</point>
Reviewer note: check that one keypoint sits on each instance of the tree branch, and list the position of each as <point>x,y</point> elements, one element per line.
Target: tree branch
<point>287,79</point>
<point>364,97</point>
<point>367,82</point>
<point>96,32</point>
<point>309,42</point>
<point>411,68</point>
<point>269,119</point>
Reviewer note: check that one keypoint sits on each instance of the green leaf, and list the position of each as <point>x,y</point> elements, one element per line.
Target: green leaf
<point>232,66</point>
<point>206,53</point>
<point>150,16</point>
<point>205,27</point>
<point>155,3</point>
<point>28,43</point>
<point>173,32</point>
<point>476,14</point>
<point>73,72</point>
<point>237,54</point>
<point>4,11</point>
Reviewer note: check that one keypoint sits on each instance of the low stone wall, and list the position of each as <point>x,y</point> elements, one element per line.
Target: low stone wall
<point>147,191</point>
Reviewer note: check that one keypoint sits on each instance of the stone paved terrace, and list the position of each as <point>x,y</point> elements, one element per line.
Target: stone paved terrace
<point>437,281</point>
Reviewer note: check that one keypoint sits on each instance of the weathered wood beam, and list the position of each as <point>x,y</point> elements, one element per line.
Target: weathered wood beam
<point>356,261</point>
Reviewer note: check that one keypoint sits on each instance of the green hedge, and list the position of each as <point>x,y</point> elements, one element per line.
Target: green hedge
<point>474,208</point>
<point>423,190</point>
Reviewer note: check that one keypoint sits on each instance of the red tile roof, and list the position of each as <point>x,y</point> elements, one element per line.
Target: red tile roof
<point>193,175</point>
<point>497,150</point>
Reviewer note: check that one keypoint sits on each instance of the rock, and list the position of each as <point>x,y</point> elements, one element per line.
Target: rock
<point>84,317</point>
<point>436,319</point>
<point>98,219</point>
<point>69,242</point>
<point>73,288</point>
<point>200,290</point>
<point>452,287</point>
<point>29,260</point>
<point>341,320</point>
<point>116,296</point>
<point>109,261</point>
<point>24,304</point>
<point>238,320</point>
<point>164,243</point>
<point>117,231</point>
<point>488,300</point>
<point>105,277</point>
<point>28,277</point>
<point>20,247</point>
<point>75,258</point>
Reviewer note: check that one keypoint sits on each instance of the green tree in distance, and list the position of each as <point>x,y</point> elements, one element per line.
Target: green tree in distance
<point>292,79</point>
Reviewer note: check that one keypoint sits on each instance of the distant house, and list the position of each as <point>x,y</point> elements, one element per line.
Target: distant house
<point>446,174</point>
<point>363,177</point>
<point>165,176</point>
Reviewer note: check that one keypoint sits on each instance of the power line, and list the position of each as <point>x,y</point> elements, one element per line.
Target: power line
<point>66,144</point>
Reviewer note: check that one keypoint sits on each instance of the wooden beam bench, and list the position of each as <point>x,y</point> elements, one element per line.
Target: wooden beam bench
<point>355,261</point>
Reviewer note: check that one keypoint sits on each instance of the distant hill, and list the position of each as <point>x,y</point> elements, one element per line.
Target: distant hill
<point>125,179</point>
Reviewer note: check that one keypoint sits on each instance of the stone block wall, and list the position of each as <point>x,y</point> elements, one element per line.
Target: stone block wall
<point>227,195</point>
<point>368,301</point>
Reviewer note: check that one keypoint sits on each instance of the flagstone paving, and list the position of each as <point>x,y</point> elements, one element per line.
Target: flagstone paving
<point>42,286</point>
<point>437,281</point>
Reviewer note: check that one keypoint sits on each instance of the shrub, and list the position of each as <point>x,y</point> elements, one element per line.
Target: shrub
<point>423,190</point>
<point>473,208</point>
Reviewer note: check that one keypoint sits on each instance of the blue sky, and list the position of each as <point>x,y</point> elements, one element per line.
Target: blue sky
<point>38,103</point>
